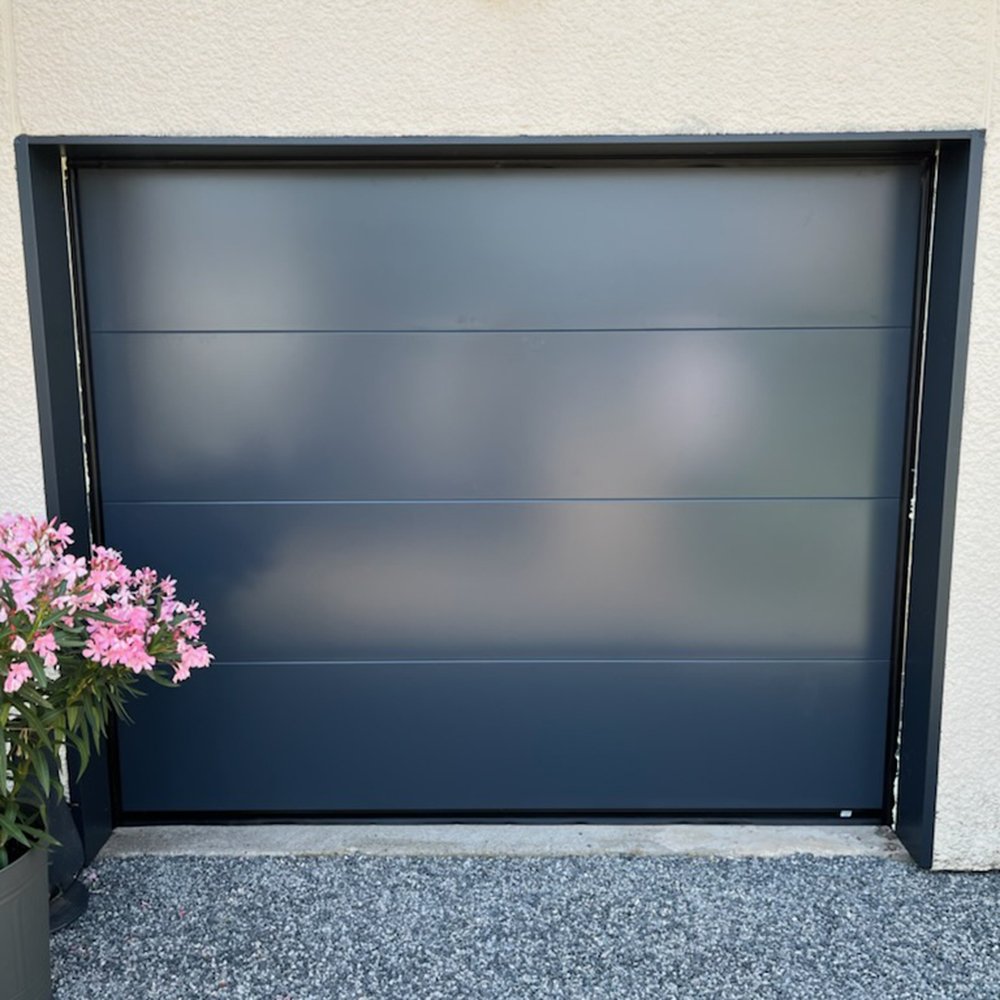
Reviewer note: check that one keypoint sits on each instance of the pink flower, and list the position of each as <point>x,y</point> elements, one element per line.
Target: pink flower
<point>71,569</point>
<point>138,609</point>
<point>192,657</point>
<point>135,656</point>
<point>114,645</point>
<point>46,647</point>
<point>190,629</point>
<point>25,590</point>
<point>63,533</point>
<point>19,672</point>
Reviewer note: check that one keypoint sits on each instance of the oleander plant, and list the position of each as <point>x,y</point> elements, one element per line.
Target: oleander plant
<point>77,636</point>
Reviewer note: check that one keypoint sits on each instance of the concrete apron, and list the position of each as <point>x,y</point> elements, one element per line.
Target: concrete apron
<point>505,840</point>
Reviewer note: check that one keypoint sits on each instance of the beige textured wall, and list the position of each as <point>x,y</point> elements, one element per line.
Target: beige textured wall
<point>464,67</point>
<point>968,807</point>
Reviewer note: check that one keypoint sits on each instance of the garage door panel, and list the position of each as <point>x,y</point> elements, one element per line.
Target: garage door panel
<point>566,487</point>
<point>582,736</point>
<point>538,580</point>
<point>705,413</point>
<point>465,248</point>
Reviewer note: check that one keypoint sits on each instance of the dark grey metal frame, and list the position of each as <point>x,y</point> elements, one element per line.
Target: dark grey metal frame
<point>957,162</point>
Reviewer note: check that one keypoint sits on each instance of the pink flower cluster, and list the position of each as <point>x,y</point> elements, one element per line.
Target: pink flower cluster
<point>52,602</point>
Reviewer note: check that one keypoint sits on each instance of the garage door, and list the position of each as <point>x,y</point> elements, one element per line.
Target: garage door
<point>566,490</point>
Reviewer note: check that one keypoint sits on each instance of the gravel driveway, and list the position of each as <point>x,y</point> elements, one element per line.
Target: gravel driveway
<point>620,928</point>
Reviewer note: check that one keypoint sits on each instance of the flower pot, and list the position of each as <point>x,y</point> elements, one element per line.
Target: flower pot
<point>24,928</point>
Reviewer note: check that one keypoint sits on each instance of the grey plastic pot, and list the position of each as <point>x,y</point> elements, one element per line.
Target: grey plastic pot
<point>24,928</point>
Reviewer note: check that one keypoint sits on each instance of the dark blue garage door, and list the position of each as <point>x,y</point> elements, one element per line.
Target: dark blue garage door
<point>509,489</point>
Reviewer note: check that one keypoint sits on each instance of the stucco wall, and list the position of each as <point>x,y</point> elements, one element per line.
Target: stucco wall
<point>256,67</point>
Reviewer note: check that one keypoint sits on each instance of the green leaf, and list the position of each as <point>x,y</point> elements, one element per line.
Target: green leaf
<point>14,831</point>
<point>40,765</point>
<point>93,715</point>
<point>49,620</point>
<point>70,642</point>
<point>99,616</point>
<point>160,677</point>
<point>41,731</point>
<point>37,668</point>
<point>4,552</point>
<point>80,744</point>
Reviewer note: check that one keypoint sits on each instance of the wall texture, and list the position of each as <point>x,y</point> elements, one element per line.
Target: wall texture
<point>468,67</point>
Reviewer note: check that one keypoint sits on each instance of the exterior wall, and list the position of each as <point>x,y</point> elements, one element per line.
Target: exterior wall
<point>547,67</point>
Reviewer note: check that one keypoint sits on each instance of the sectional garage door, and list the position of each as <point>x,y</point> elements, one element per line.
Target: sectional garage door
<point>561,489</point>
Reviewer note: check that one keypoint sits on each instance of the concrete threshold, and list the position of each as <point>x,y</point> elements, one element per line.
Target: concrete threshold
<point>505,840</point>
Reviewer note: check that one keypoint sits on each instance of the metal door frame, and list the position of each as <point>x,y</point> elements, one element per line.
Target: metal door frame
<point>954,171</point>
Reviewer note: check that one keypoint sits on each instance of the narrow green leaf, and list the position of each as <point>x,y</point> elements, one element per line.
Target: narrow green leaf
<point>37,668</point>
<point>14,831</point>
<point>10,556</point>
<point>99,616</point>
<point>40,765</point>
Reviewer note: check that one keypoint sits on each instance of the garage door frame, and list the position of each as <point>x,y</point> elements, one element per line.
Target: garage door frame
<point>954,169</point>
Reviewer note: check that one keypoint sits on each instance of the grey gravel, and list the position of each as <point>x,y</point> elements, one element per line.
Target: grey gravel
<point>621,928</point>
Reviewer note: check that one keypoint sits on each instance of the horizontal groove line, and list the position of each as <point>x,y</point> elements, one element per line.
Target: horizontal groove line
<point>521,330</point>
<point>542,660</point>
<point>481,502</point>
